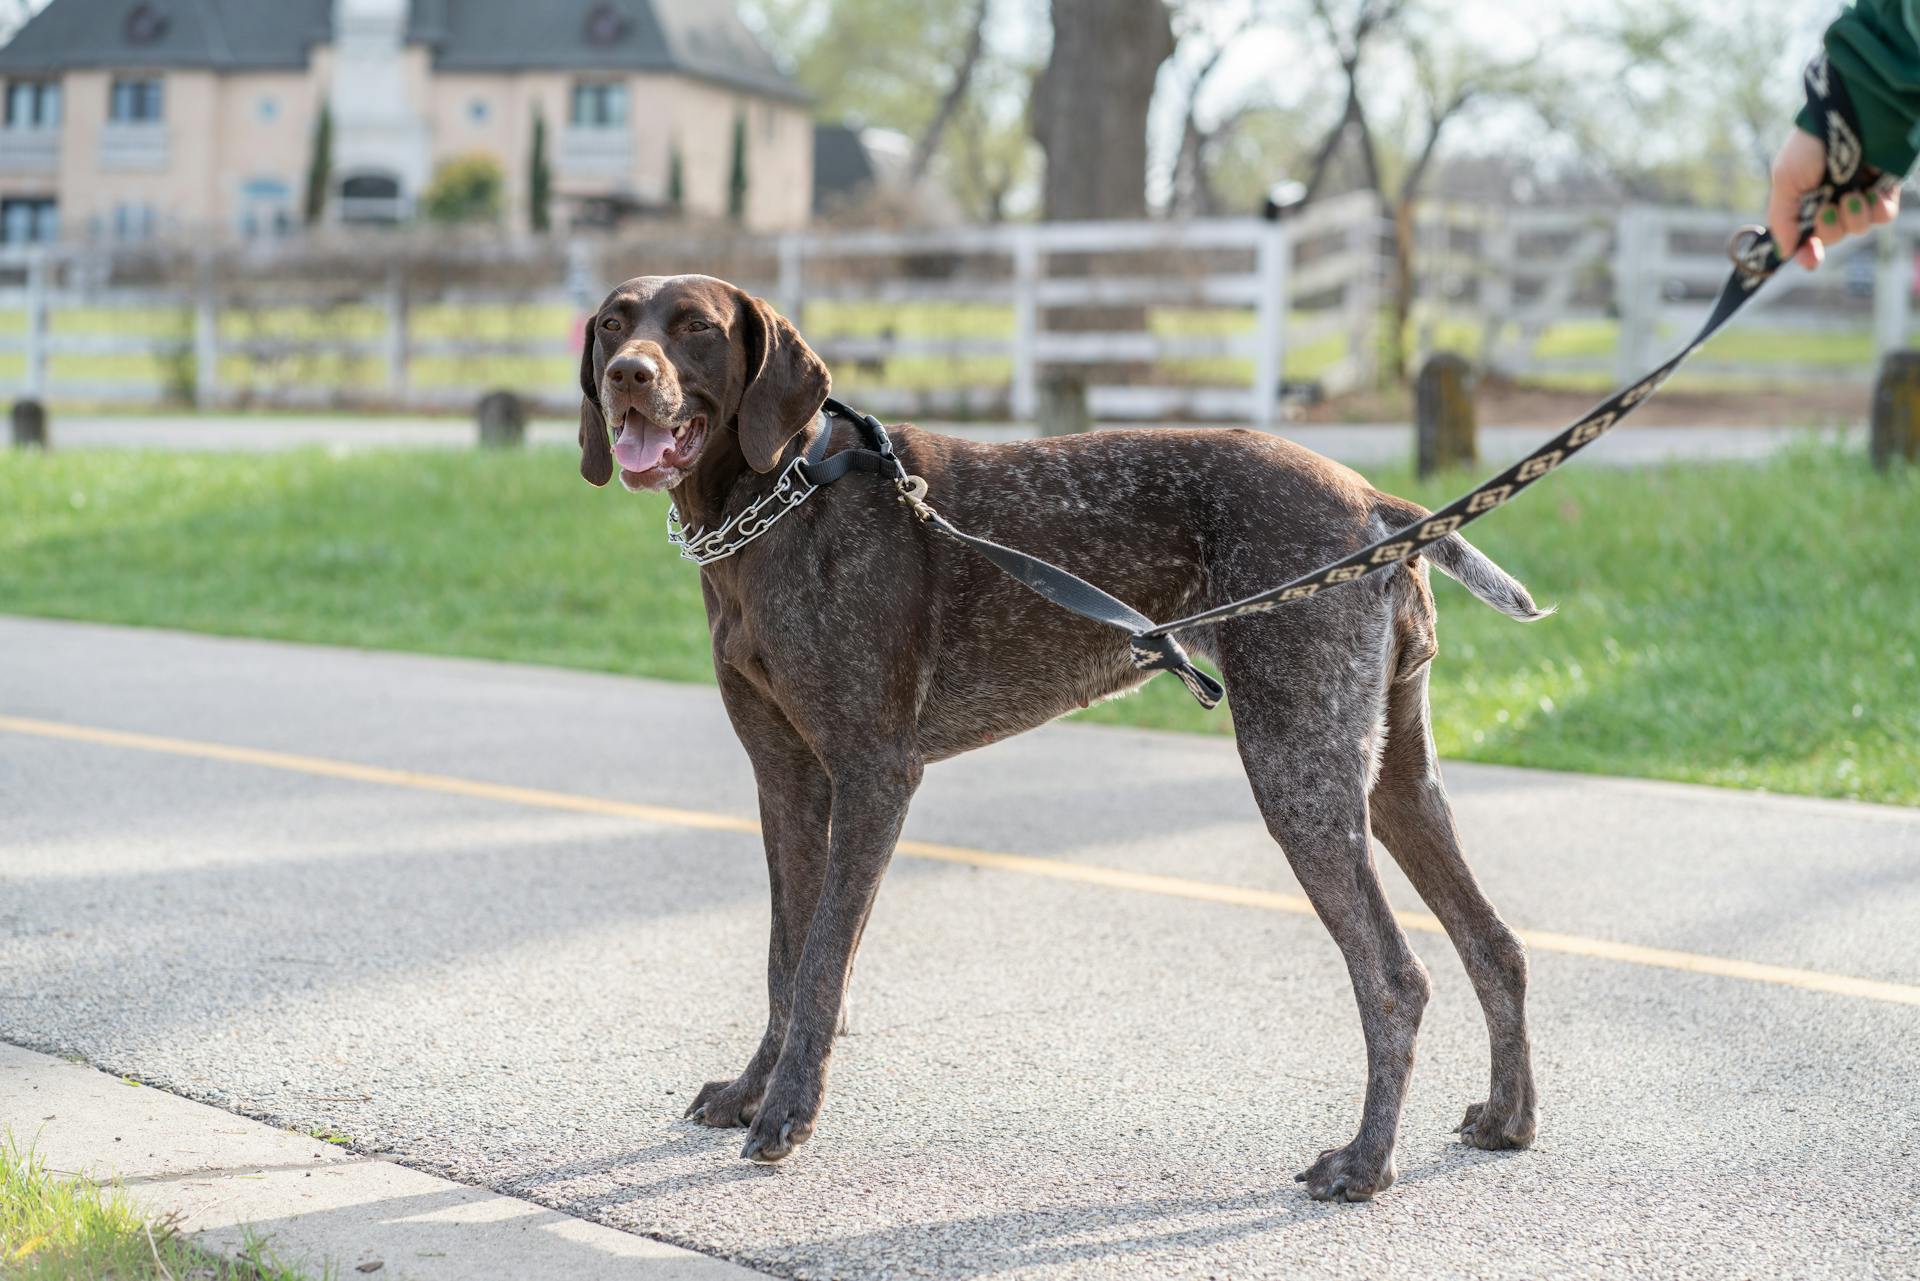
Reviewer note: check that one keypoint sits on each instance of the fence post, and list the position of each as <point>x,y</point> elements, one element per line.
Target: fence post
<point>792,283</point>
<point>206,334</point>
<point>397,344</point>
<point>1636,302</point>
<point>1892,289</point>
<point>39,269</point>
<point>1360,296</point>
<point>1493,293</point>
<point>1895,430</point>
<point>1444,422</point>
<point>1025,395</point>
<point>1271,255</point>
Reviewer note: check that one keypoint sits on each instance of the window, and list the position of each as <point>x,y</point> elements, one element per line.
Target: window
<point>266,208</point>
<point>600,105</point>
<point>25,222</point>
<point>33,104</point>
<point>268,109</point>
<point>477,111</point>
<point>132,222</point>
<point>135,101</point>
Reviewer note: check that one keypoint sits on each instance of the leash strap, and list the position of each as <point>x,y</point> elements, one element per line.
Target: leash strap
<point>1756,258</point>
<point>1067,590</point>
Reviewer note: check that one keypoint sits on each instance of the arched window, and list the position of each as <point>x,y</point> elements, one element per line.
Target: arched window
<point>371,197</point>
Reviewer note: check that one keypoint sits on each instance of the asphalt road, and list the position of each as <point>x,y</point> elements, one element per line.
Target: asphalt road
<point>1063,1066</point>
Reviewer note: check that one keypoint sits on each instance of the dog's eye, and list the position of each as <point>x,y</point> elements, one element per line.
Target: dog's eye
<point>611,324</point>
<point>698,326</point>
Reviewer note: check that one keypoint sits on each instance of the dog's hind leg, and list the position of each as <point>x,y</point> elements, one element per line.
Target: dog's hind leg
<point>1413,819</point>
<point>795,800</point>
<point>1306,713</point>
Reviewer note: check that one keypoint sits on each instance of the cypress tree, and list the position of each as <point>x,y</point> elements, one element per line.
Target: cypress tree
<point>320,166</point>
<point>540,179</point>
<point>737,180</point>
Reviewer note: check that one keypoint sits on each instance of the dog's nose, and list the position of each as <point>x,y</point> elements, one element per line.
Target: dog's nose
<point>634,370</point>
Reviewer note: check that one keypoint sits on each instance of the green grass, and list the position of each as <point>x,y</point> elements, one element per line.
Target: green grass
<point>62,1227</point>
<point>1751,626</point>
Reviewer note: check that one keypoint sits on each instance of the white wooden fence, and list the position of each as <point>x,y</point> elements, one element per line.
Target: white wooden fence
<point>1207,320</point>
<point>1515,281</point>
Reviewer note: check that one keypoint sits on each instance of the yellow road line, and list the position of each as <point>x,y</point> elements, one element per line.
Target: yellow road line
<point>1027,865</point>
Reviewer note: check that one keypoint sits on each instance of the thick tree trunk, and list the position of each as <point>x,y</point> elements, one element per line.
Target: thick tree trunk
<point>1090,105</point>
<point>1090,117</point>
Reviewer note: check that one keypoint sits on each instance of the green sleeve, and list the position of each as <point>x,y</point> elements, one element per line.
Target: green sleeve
<point>1874,47</point>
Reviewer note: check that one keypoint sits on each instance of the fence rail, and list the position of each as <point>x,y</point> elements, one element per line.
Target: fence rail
<point>1207,319</point>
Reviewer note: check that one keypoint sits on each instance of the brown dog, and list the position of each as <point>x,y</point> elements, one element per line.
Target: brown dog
<point>708,393</point>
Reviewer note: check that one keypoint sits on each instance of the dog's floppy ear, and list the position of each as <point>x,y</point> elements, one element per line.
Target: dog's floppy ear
<point>596,456</point>
<point>786,383</point>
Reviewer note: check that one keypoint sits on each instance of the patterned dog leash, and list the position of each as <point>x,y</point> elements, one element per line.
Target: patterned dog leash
<point>1755,260</point>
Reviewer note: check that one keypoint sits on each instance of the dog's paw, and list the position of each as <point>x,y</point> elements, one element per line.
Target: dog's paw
<point>1498,1124</point>
<point>725,1105</point>
<point>1348,1174</point>
<point>784,1121</point>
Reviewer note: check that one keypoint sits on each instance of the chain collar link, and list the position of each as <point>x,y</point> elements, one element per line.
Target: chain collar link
<point>703,547</point>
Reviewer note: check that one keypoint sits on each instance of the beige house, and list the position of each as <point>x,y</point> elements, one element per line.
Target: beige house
<point>126,119</point>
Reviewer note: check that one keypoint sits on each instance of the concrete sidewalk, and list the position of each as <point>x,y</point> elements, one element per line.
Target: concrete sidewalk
<point>317,1205</point>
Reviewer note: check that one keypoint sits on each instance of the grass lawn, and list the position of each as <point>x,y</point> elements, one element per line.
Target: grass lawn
<point>59,1227</point>
<point>1752,626</point>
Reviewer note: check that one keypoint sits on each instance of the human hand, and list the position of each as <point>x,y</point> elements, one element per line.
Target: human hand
<point>1800,167</point>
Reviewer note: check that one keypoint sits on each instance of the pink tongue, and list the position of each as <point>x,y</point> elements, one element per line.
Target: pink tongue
<point>642,445</point>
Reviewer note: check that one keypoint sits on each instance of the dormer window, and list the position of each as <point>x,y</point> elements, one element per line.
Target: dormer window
<point>600,104</point>
<point>605,25</point>
<point>136,100</point>
<point>145,25</point>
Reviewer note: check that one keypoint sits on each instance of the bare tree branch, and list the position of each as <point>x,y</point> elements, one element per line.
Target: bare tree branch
<point>929,144</point>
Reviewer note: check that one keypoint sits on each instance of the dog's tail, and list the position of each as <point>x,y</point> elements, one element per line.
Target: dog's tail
<point>1466,564</point>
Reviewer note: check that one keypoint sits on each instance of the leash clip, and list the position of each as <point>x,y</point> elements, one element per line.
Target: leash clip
<point>913,492</point>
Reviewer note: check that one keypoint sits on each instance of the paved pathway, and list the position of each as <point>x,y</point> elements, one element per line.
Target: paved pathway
<point>497,922</point>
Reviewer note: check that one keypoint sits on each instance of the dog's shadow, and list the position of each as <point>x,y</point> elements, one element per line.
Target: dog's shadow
<point>999,1241</point>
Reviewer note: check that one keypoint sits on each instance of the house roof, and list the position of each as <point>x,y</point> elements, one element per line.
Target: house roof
<point>221,34</point>
<point>702,38</point>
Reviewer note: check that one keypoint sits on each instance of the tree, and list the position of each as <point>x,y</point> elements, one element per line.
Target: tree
<point>466,189</point>
<point>540,179</point>
<point>676,178</point>
<point>320,166</point>
<point>929,143</point>
<point>1090,105</point>
<point>737,175</point>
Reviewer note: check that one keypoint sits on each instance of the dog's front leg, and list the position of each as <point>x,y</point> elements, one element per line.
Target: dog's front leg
<point>870,801</point>
<point>795,799</point>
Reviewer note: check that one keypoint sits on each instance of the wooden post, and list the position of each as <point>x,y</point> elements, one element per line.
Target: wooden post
<point>1444,428</point>
<point>1271,260</point>
<point>1063,403</point>
<point>503,421</point>
<point>206,334</point>
<point>1896,410</point>
<point>1027,266</point>
<point>29,424</point>
<point>396,338</point>
<point>39,322</point>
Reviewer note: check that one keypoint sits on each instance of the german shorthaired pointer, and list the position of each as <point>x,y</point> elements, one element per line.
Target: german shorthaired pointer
<point>693,387</point>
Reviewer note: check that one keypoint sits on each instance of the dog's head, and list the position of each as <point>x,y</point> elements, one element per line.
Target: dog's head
<point>685,371</point>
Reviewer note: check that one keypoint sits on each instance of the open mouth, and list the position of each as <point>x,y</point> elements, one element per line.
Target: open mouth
<point>653,455</point>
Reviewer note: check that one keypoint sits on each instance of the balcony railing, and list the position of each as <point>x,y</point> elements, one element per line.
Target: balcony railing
<point>127,146</point>
<point>29,150</point>
<point>595,153</point>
